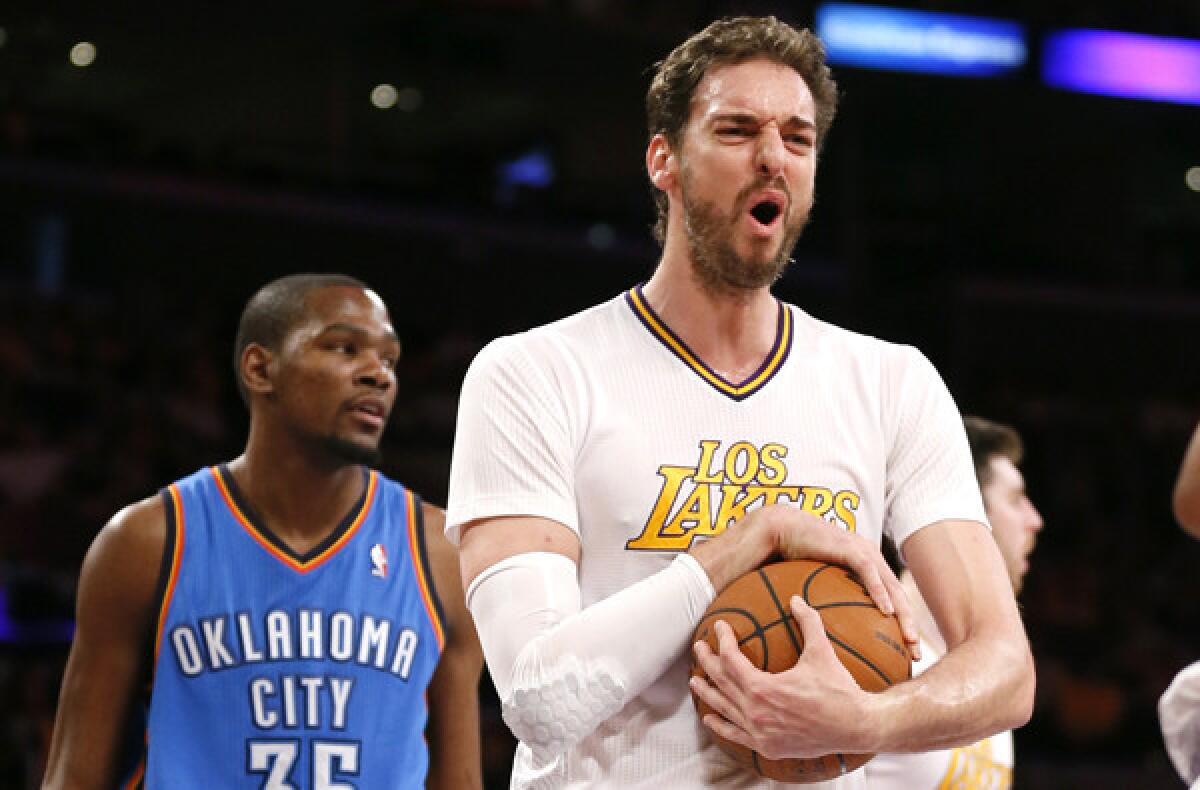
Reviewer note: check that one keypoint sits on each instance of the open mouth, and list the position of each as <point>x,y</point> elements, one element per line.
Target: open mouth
<point>371,409</point>
<point>765,211</point>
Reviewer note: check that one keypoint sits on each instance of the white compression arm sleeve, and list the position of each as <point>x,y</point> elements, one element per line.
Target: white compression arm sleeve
<point>560,670</point>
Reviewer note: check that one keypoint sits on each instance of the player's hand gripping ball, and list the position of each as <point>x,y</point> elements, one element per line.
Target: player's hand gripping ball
<point>868,642</point>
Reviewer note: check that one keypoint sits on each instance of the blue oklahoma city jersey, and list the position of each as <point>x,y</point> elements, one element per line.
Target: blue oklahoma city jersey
<point>274,670</point>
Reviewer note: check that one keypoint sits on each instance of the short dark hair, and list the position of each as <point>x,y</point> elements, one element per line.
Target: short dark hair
<point>990,439</point>
<point>724,42</point>
<point>274,310</point>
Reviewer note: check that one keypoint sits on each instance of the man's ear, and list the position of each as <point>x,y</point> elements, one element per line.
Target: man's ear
<point>256,369</point>
<point>662,165</point>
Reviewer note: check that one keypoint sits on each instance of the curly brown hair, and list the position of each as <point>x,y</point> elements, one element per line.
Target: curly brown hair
<point>727,41</point>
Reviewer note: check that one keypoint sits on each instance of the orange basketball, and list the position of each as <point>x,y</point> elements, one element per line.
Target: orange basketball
<point>867,641</point>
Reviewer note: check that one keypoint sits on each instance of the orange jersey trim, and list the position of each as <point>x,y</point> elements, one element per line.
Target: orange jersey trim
<point>414,551</point>
<point>668,338</point>
<point>297,565</point>
<point>139,773</point>
<point>173,575</point>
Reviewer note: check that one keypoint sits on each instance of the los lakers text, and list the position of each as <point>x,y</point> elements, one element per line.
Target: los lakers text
<point>283,699</point>
<point>705,499</point>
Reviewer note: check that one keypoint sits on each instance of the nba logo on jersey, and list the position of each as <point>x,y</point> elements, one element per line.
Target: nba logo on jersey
<point>379,561</point>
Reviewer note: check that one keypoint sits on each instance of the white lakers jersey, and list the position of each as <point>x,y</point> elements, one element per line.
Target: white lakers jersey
<point>607,423</point>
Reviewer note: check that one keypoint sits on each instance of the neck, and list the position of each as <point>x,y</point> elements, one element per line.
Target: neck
<point>731,330</point>
<point>300,498</point>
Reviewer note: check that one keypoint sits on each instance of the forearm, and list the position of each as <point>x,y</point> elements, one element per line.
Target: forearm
<point>455,761</point>
<point>560,669</point>
<point>983,686</point>
<point>83,747</point>
<point>738,550</point>
<point>984,683</point>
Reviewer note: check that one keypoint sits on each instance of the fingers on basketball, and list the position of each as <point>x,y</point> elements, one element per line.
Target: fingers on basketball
<point>757,609</point>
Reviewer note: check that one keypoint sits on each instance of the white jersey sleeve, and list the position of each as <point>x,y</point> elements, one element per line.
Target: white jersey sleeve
<point>930,476</point>
<point>513,443</point>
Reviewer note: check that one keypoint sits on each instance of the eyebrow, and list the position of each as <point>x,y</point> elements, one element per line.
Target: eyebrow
<point>749,118</point>
<point>354,329</point>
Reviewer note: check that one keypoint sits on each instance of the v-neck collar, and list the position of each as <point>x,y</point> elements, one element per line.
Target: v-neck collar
<point>753,383</point>
<point>254,526</point>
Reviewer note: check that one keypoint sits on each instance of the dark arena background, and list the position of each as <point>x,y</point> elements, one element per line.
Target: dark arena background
<point>481,164</point>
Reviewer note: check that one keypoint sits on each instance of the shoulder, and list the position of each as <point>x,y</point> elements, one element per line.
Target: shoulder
<point>810,330</point>
<point>855,348</point>
<point>121,569</point>
<point>558,338</point>
<point>550,363</point>
<point>137,531</point>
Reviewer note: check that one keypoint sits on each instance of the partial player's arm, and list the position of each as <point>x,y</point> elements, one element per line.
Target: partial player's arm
<point>453,729</point>
<point>1187,488</point>
<point>114,617</point>
<point>540,641</point>
<point>985,682</point>
<point>983,685</point>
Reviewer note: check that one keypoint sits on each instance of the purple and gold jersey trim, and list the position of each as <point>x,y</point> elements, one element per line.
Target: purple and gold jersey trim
<point>756,381</point>
<point>261,535</point>
<point>421,570</point>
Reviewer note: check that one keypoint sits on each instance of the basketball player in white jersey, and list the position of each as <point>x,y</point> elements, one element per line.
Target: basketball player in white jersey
<point>613,470</point>
<point>988,764</point>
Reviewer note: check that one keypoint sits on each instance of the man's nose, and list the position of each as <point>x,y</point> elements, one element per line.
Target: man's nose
<point>770,152</point>
<point>1035,518</point>
<point>376,373</point>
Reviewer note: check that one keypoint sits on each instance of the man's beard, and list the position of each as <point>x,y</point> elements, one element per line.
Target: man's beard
<point>710,235</point>
<point>350,452</point>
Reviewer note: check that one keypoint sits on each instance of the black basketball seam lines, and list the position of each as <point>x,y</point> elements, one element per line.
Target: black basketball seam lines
<point>788,622</point>
<point>791,627</point>
<point>837,641</point>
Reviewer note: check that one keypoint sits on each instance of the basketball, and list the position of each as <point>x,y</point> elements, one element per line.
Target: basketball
<point>868,642</point>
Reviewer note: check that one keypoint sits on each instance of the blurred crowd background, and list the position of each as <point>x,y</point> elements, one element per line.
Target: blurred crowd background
<point>480,163</point>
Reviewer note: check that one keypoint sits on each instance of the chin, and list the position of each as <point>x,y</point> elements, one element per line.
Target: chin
<point>353,452</point>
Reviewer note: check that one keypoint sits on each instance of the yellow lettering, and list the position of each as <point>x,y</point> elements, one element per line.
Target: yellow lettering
<point>652,536</point>
<point>817,500</point>
<point>773,470</point>
<point>844,505</point>
<point>695,515</point>
<point>705,473</point>
<point>734,502</point>
<point>732,461</point>
<point>781,494</point>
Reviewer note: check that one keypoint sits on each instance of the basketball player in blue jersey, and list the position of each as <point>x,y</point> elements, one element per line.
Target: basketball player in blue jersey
<point>615,469</point>
<point>290,619</point>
